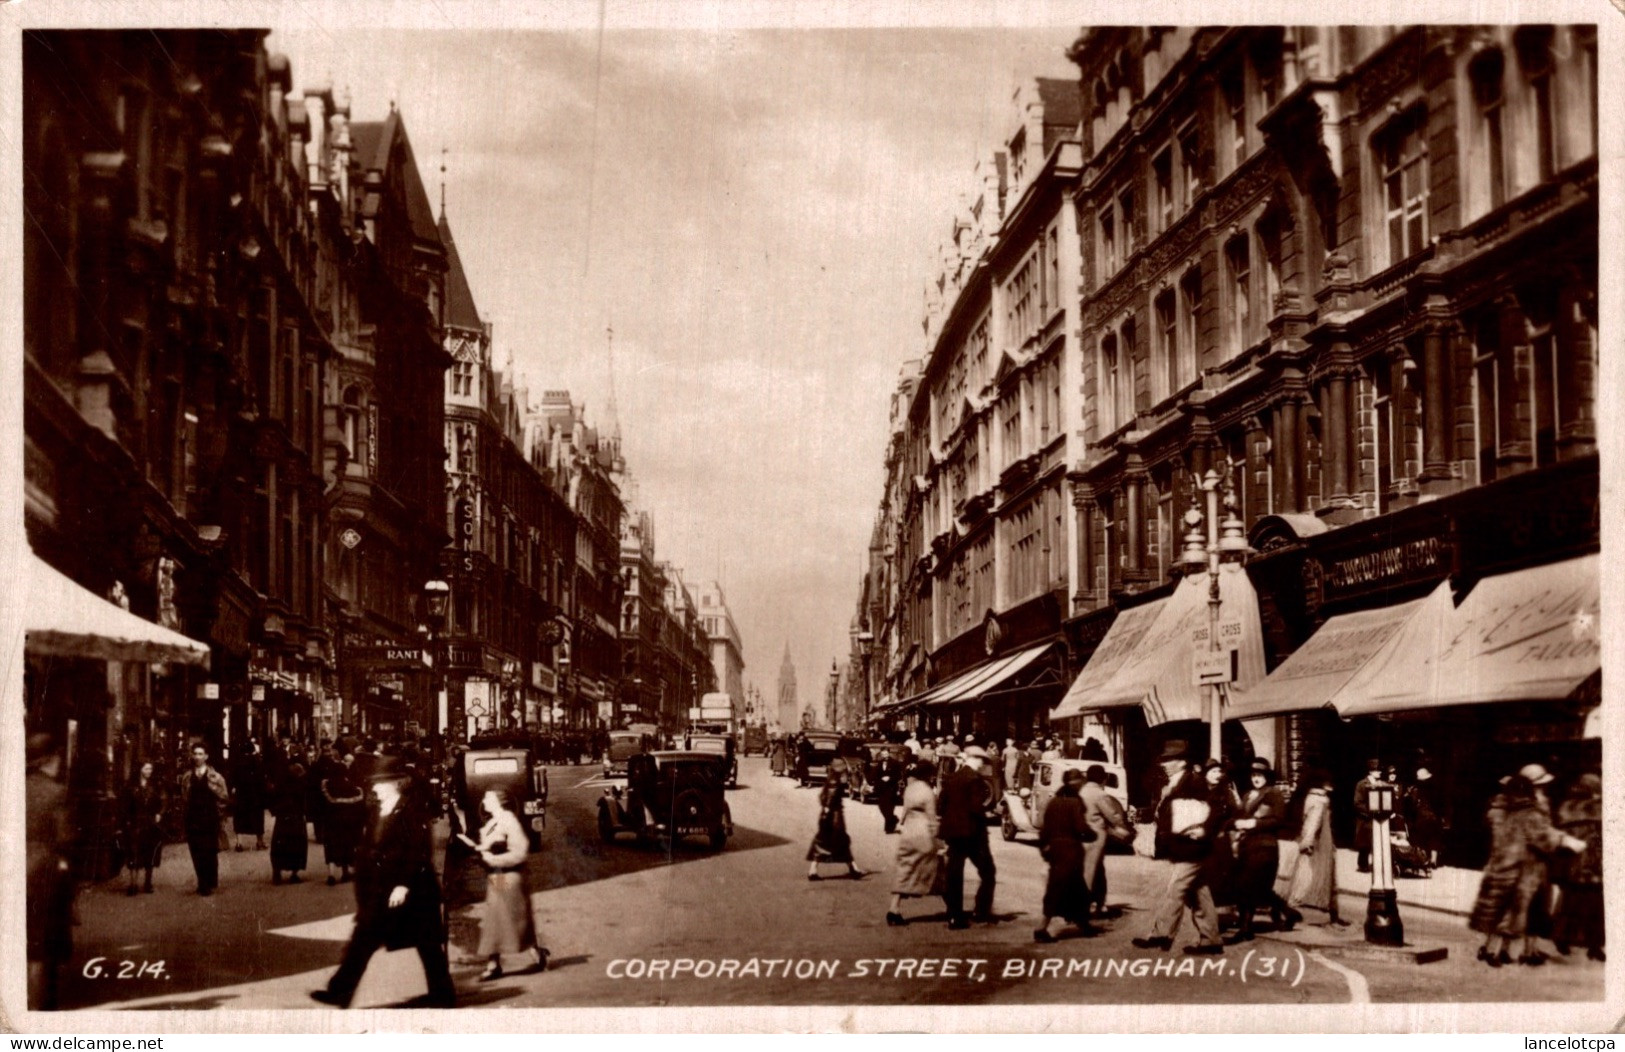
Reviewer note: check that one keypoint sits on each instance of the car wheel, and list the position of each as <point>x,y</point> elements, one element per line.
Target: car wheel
<point>606,829</point>
<point>1007,828</point>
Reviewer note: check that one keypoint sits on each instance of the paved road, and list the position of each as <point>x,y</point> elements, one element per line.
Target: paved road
<point>631,925</point>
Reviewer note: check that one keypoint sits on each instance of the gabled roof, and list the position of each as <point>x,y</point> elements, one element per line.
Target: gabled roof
<point>373,143</point>
<point>460,310</point>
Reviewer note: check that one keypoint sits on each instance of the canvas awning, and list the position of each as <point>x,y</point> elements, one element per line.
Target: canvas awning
<point>987,677</point>
<point>1531,635</point>
<point>1157,672</point>
<point>1118,645</point>
<point>1325,663</point>
<point>65,619</point>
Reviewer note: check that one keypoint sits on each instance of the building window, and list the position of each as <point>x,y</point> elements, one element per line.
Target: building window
<point>1166,370</point>
<point>1543,387</point>
<point>1052,299</point>
<point>1190,161</point>
<point>1010,425</point>
<point>1162,179</point>
<point>1128,220</point>
<point>1108,244</point>
<point>1384,407</point>
<point>1233,88</point>
<point>1238,259</point>
<point>1486,394</point>
<point>1486,73</point>
<point>1109,382</point>
<point>1271,235</point>
<point>1402,155</point>
<point>1190,303</point>
<point>1128,394</point>
<point>462,379</point>
<point>1534,45</point>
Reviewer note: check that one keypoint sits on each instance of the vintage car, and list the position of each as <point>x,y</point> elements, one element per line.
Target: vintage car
<point>490,765</point>
<point>724,748</point>
<point>1022,811</point>
<point>669,795</point>
<point>818,748</point>
<point>753,739</point>
<point>623,745</point>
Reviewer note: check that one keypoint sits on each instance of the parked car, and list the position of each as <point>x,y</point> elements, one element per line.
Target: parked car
<point>818,748</point>
<point>669,795</point>
<point>623,745</point>
<point>1022,811</point>
<point>489,765</point>
<point>721,746</point>
<point>753,739</point>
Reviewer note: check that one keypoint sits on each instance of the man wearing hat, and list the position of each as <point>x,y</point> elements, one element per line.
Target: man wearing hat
<point>396,890</point>
<point>1185,832</point>
<point>962,807</point>
<point>1362,812</point>
<point>1105,819</point>
<point>1063,839</point>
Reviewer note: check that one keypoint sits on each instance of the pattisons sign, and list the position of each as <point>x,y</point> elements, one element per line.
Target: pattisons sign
<point>1413,561</point>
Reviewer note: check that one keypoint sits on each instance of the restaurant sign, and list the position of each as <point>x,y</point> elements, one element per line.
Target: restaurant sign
<point>390,657</point>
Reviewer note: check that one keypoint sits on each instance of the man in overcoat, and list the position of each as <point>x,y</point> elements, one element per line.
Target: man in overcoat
<point>1106,819</point>
<point>202,797</point>
<point>397,892</point>
<point>962,807</point>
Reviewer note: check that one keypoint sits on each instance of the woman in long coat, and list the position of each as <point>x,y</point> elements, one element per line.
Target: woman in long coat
<point>346,815</point>
<point>831,843</point>
<point>919,860</point>
<point>508,926</point>
<point>776,758</point>
<point>1314,881</point>
<point>248,798</point>
<point>1579,913</point>
<point>1060,840</point>
<point>290,846</point>
<point>1521,837</point>
<point>143,825</point>
<point>1258,853</point>
<point>1223,803</point>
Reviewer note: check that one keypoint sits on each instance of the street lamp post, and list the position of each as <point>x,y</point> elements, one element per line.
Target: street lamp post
<point>1382,924</point>
<point>863,642</point>
<point>436,597</point>
<point>834,695</point>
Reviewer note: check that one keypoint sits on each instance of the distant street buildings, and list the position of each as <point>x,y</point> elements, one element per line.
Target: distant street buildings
<point>262,412</point>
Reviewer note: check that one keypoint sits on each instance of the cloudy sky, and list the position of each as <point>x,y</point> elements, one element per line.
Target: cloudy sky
<point>753,210</point>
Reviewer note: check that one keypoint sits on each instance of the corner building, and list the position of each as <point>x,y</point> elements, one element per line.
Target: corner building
<point>1355,268</point>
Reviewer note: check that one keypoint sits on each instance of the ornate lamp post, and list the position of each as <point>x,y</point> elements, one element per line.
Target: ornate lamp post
<point>1382,923</point>
<point>1226,541</point>
<point>863,641</point>
<point>436,596</point>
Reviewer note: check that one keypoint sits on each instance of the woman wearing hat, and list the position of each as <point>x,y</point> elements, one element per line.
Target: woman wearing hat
<point>1522,837</point>
<point>919,852</point>
<point>831,843</point>
<point>1060,840</point>
<point>1314,881</point>
<point>508,926</point>
<point>1258,853</point>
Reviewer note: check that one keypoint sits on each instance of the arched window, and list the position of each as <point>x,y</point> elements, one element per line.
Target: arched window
<point>1534,44</point>
<point>1486,71</point>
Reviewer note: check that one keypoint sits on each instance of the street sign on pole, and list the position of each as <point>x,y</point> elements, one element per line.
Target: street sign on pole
<point>1213,666</point>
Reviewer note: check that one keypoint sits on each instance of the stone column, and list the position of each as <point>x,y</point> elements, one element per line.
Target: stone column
<point>1083,509</point>
<point>1134,540</point>
<point>1288,470</point>
<point>1436,417</point>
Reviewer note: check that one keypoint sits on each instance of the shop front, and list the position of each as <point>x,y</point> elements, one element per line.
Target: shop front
<point>1460,637</point>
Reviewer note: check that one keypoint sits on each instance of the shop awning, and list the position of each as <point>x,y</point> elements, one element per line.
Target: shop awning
<point>1156,672</point>
<point>1326,662</point>
<point>65,619</point>
<point>987,677</point>
<point>1118,645</point>
<point>1532,635</point>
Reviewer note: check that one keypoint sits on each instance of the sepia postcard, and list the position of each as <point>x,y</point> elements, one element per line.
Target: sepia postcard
<point>786,517</point>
